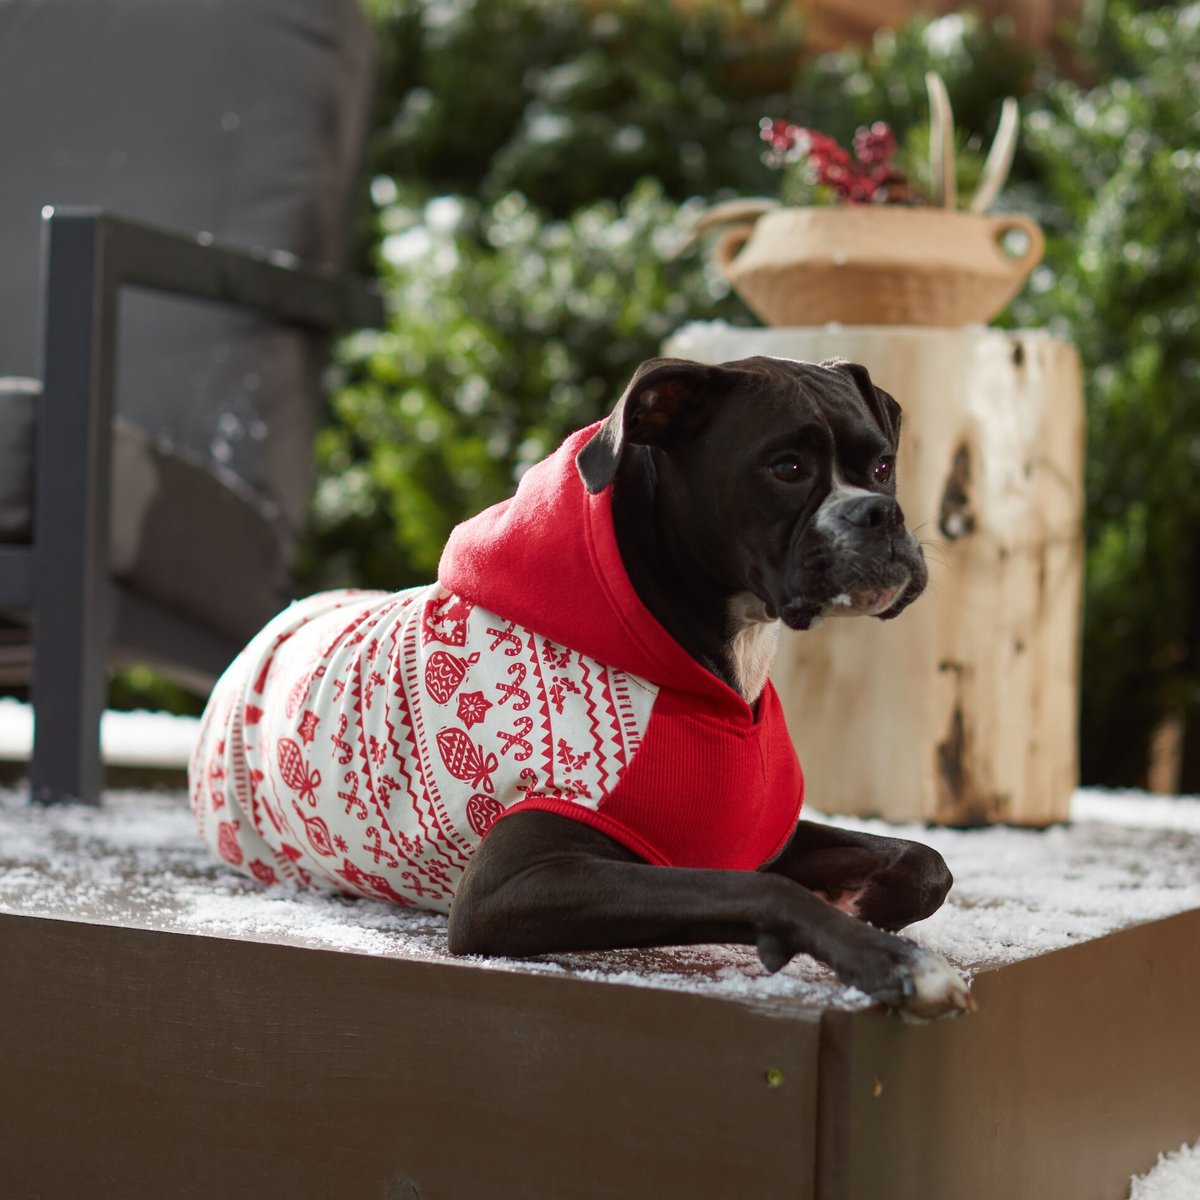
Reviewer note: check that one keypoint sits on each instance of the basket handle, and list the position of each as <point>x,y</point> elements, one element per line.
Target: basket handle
<point>1024,262</point>
<point>742,215</point>
<point>728,245</point>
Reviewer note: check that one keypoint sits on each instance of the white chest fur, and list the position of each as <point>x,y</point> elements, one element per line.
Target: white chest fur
<point>752,647</point>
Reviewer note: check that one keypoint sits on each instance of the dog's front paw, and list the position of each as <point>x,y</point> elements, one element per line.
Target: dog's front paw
<point>918,983</point>
<point>936,989</point>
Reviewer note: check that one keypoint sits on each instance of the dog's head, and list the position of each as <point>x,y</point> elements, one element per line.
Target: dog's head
<point>780,477</point>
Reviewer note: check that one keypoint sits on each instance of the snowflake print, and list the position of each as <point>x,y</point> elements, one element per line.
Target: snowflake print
<point>472,708</point>
<point>308,725</point>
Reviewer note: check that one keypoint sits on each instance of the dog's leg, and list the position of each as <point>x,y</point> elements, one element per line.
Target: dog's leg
<point>889,882</point>
<point>541,883</point>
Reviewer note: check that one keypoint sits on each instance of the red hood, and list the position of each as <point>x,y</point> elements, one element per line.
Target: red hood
<point>548,559</point>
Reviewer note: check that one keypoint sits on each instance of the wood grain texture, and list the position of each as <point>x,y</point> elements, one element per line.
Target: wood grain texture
<point>138,1063</point>
<point>1078,1070</point>
<point>145,1064</point>
<point>963,710</point>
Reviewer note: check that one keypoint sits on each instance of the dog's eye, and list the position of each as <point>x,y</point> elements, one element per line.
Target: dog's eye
<point>788,469</point>
<point>883,470</point>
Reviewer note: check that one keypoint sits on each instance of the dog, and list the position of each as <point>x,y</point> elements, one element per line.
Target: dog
<point>570,741</point>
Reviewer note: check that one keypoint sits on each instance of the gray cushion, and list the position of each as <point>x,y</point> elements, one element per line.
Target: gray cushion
<point>242,118</point>
<point>17,400</point>
<point>195,539</point>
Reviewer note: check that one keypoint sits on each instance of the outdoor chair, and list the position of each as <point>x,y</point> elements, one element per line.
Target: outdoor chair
<point>177,372</point>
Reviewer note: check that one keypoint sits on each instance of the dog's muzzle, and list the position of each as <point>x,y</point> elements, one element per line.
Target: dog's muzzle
<point>856,559</point>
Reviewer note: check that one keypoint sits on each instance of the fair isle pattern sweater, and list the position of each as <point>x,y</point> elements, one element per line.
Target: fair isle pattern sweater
<point>365,742</point>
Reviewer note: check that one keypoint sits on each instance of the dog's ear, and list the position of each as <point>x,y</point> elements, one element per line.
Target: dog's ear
<point>666,400</point>
<point>881,406</point>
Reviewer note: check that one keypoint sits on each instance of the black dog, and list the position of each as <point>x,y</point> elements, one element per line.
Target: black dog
<point>743,496</point>
<point>570,741</point>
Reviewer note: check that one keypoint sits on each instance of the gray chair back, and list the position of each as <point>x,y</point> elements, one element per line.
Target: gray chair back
<point>242,118</point>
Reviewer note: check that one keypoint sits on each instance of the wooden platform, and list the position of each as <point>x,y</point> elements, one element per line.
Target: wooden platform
<point>168,1030</point>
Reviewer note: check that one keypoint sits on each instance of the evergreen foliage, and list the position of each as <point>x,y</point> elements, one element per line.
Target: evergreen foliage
<point>1121,161</point>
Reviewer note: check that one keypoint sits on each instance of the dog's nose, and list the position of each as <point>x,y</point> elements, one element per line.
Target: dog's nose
<point>871,512</point>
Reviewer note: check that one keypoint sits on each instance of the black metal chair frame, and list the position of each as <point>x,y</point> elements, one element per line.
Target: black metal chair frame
<point>79,612</point>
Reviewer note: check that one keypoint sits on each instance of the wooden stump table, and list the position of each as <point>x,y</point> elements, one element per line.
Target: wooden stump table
<point>964,710</point>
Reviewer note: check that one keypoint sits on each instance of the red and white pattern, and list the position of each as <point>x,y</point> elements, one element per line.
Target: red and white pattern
<point>365,742</point>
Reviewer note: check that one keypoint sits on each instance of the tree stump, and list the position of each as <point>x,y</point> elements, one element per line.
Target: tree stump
<point>964,710</point>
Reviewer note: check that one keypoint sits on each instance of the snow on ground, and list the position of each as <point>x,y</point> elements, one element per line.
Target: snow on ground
<point>1175,1177</point>
<point>132,739</point>
<point>1018,892</point>
<point>1021,892</point>
<point>137,860</point>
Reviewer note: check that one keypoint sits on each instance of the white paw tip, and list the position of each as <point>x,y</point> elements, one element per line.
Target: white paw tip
<point>938,990</point>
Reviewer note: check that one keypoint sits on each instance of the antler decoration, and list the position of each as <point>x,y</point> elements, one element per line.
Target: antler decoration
<point>999,159</point>
<point>943,188</point>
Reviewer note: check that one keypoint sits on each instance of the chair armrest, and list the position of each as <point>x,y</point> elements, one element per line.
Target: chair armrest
<point>89,257</point>
<point>272,282</point>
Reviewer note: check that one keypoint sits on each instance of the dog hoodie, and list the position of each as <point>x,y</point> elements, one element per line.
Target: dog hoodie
<point>365,742</point>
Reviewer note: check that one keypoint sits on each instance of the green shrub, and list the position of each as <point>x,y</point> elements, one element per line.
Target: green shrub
<point>508,329</point>
<point>1122,161</point>
<point>569,102</point>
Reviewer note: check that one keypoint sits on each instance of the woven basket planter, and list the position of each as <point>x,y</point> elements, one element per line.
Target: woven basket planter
<point>872,265</point>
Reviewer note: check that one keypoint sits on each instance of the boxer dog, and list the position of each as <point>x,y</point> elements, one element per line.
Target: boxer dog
<point>570,741</point>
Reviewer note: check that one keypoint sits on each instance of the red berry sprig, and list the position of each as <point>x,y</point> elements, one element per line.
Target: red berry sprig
<point>869,177</point>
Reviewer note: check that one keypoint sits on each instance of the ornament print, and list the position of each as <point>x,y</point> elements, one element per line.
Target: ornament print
<point>437,718</point>
<point>262,872</point>
<point>295,771</point>
<point>465,760</point>
<point>482,812</point>
<point>317,832</point>
<point>227,843</point>
<point>444,672</point>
